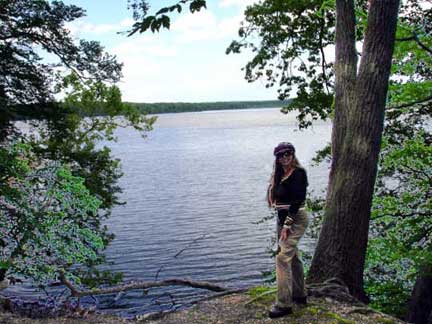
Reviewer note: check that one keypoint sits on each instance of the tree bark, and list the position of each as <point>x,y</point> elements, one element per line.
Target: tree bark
<point>356,138</point>
<point>420,305</point>
<point>4,114</point>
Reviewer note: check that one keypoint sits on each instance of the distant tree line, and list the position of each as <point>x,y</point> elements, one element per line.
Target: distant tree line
<point>173,107</point>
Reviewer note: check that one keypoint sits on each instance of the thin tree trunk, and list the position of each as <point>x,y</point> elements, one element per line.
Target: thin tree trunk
<point>420,306</point>
<point>4,114</point>
<point>357,130</point>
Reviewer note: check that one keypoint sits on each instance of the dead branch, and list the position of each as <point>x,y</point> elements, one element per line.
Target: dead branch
<point>190,244</point>
<point>75,292</point>
<point>157,273</point>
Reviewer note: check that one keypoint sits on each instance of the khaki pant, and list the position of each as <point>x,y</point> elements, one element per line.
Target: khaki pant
<point>289,268</point>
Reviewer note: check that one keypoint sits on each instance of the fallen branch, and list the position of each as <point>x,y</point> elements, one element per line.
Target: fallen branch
<point>75,292</point>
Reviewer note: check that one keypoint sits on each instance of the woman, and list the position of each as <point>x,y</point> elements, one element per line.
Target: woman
<point>287,194</point>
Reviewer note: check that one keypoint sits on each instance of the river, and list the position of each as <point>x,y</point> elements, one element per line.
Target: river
<point>195,188</point>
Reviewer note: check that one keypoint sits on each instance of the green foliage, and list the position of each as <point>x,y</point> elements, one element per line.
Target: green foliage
<point>154,22</point>
<point>401,242</point>
<point>322,155</point>
<point>288,40</point>
<point>58,187</point>
<point>71,134</point>
<point>46,215</point>
<point>388,293</point>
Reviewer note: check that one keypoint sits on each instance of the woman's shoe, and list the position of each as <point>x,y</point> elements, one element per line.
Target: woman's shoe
<point>277,311</point>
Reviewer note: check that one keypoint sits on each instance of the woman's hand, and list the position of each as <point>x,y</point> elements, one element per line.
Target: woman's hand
<point>285,233</point>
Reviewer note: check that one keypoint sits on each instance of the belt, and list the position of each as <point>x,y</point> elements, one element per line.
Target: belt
<point>284,207</point>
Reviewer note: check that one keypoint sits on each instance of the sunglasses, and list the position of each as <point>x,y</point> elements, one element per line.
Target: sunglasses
<point>284,155</point>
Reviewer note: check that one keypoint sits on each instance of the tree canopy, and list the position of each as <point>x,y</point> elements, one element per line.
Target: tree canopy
<point>57,184</point>
<point>31,29</point>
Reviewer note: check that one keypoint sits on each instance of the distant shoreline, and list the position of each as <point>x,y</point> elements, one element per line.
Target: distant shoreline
<point>176,107</point>
<point>26,112</point>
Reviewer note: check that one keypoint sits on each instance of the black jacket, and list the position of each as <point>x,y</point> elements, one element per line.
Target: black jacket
<point>292,191</point>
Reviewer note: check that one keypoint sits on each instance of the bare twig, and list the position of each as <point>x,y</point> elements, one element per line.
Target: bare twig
<point>157,273</point>
<point>180,252</point>
<point>187,246</point>
<point>264,294</point>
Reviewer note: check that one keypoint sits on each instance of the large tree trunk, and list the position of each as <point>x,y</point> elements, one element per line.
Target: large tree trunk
<point>420,306</point>
<point>356,138</point>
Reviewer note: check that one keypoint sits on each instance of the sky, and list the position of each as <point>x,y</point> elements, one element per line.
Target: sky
<point>184,64</point>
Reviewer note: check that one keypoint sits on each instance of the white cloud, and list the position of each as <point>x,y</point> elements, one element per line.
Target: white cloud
<point>239,3</point>
<point>78,27</point>
<point>230,26</point>
<point>204,26</point>
<point>195,27</point>
<point>157,79</point>
<point>143,46</point>
<point>186,63</point>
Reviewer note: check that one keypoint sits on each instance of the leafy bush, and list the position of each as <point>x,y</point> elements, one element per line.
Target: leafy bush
<point>46,223</point>
<point>401,225</point>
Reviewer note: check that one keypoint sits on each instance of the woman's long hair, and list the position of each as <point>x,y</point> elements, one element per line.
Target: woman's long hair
<point>276,177</point>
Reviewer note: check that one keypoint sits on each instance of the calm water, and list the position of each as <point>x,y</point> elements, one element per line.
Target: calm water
<point>194,189</point>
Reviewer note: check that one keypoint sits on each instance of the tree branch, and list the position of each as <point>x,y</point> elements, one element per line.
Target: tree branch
<point>404,216</point>
<point>409,104</point>
<point>346,53</point>
<point>405,39</point>
<point>416,172</point>
<point>415,38</point>
<point>193,242</point>
<point>141,285</point>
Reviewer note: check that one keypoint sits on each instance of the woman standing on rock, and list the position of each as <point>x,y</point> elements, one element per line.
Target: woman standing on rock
<point>287,194</point>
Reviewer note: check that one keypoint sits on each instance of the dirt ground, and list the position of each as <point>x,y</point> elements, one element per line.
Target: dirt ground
<point>239,309</point>
<point>236,308</point>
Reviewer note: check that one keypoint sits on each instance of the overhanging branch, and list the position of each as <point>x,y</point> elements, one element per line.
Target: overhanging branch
<point>409,104</point>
